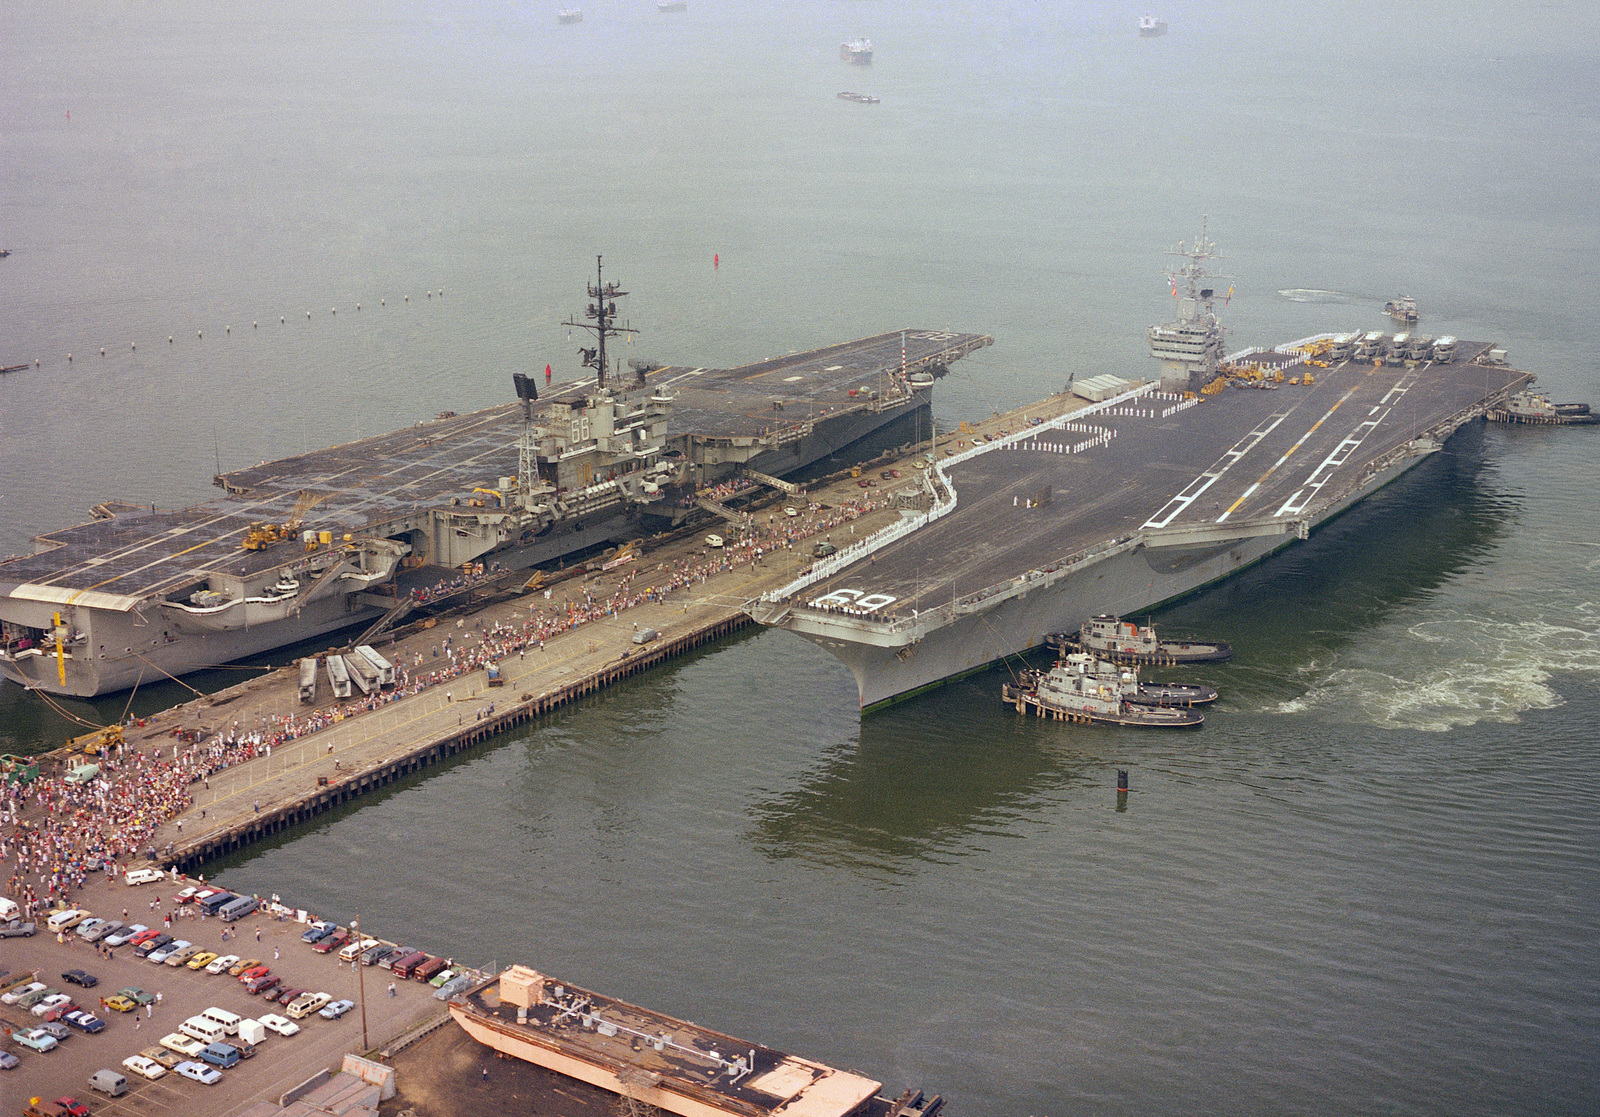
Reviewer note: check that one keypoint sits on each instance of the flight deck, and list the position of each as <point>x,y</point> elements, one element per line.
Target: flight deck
<point>1117,506</point>
<point>1158,466</point>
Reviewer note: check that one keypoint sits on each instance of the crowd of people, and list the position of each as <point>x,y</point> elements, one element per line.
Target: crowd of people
<point>108,820</point>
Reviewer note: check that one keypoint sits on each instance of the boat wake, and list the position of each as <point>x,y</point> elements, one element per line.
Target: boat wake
<point>1308,295</point>
<point>1451,673</point>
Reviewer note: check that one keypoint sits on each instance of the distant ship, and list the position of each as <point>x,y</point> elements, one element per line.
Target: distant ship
<point>1403,309</point>
<point>672,5</point>
<point>570,15</point>
<point>858,51</point>
<point>1150,26</point>
<point>859,98</point>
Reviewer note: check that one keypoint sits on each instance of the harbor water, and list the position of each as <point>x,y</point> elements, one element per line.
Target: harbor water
<point>1369,884</point>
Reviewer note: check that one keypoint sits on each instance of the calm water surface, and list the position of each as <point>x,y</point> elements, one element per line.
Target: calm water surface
<point>1368,885</point>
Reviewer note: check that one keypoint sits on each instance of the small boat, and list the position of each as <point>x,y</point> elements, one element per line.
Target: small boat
<point>1150,26</point>
<point>1403,309</point>
<point>672,5</point>
<point>570,15</point>
<point>859,98</point>
<point>13,368</point>
<point>1072,691</point>
<point>858,51</point>
<point>1125,642</point>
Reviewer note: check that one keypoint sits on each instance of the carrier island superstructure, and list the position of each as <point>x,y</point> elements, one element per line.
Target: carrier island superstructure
<point>1138,494</point>
<point>309,544</point>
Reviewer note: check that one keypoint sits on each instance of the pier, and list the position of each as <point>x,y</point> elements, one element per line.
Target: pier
<point>356,755</point>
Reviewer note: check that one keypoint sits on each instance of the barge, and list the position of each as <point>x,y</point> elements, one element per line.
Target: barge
<point>650,1059</point>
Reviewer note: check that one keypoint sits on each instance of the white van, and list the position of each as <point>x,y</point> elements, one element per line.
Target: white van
<point>143,876</point>
<point>9,909</point>
<point>227,1021</point>
<point>62,920</point>
<point>109,1082</point>
<point>353,950</point>
<point>206,1031</point>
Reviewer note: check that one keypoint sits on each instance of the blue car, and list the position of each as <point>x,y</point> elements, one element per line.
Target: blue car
<point>199,1072</point>
<point>85,1022</point>
<point>38,1039</point>
<point>319,931</point>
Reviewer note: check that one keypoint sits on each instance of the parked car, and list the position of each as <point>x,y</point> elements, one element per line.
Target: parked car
<point>152,946</point>
<point>218,965</point>
<point>45,1004</point>
<point>144,1066</point>
<point>375,954</point>
<point>336,1009</point>
<point>36,1038</point>
<point>68,1106</point>
<point>187,1046</point>
<point>201,960</point>
<point>307,1003</point>
<point>12,996</point>
<point>332,942</point>
<point>38,995</point>
<point>262,984</point>
<point>8,1061</point>
<point>275,1023</point>
<point>123,935</point>
<point>87,928</point>
<point>186,895</point>
<point>85,1021</point>
<point>287,995</point>
<point>182,954</point>
<point>200,1072</point>
<point>244,964</point>
<point>143,876</point>
<point>18,931</point>
<point>318,931</point>
<point>101,929</point>
<point>443,977</point>
<point>81,977</point>
<point>162,1055</point>
<point>260,969</point>
<point>144,936</point>
<point>59,1032</point>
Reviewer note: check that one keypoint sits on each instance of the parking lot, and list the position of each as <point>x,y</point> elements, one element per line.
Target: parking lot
<point>280,1061</point>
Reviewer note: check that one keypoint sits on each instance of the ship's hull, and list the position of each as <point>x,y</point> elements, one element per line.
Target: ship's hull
<point>891,667</point>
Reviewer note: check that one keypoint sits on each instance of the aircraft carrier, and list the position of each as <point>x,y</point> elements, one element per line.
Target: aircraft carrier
<point>314,543</point>
<point>1119,505</point>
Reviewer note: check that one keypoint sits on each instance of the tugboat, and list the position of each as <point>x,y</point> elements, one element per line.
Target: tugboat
<point>1073,690</point>
<point>1125,642</point>
<point>1403,309</point>
<point>1150,26</point>
<point>1535,407</point>
<point>570,15</point>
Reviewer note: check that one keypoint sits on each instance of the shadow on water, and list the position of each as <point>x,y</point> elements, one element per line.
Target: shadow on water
<point>1396,549</point>
<point>922,780</point>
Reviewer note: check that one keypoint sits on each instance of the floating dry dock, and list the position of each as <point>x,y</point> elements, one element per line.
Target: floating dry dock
<point>656,1060</point>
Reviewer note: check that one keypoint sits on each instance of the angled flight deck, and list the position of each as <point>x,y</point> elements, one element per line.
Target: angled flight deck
<point>1116,507</point>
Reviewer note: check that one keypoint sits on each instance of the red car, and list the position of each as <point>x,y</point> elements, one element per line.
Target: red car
<point>261,984</point>
<point>247,976</point>
<point>71,1106</point>
<point>143,937</point>
<point>332,942</point>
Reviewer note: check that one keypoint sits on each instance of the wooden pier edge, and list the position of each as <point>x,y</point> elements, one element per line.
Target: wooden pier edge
<point>190,857</point>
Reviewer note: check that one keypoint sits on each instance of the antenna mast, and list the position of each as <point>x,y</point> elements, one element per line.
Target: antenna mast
<point>602,311</point>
